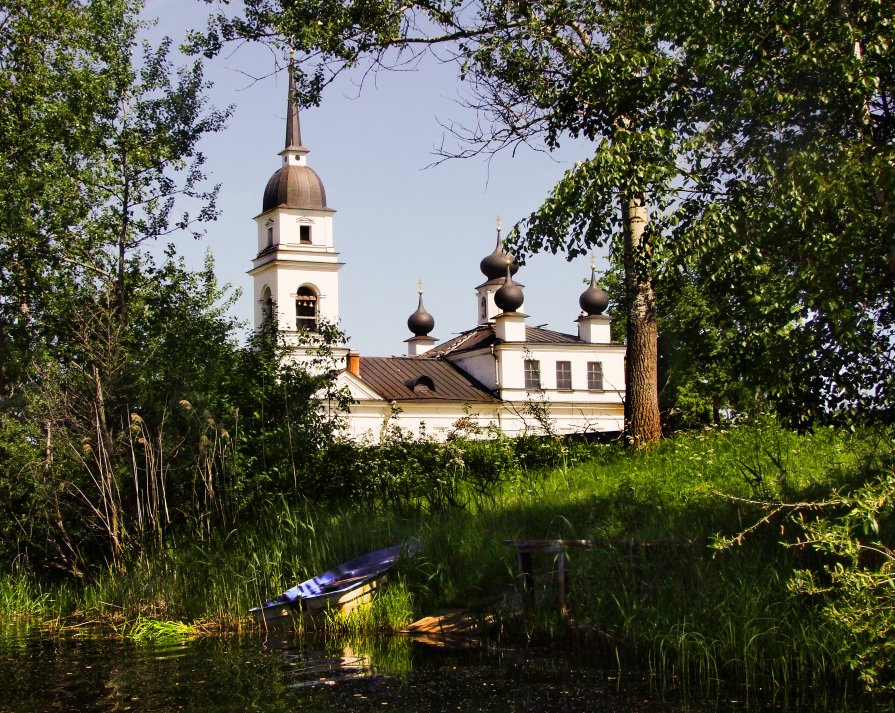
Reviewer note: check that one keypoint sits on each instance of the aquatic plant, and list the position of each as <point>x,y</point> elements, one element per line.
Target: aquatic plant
<point>157,631</point>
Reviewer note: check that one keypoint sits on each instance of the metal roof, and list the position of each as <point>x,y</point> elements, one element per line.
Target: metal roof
<point>484,336</point>
<point>411,379</point>
<point>294,187</point>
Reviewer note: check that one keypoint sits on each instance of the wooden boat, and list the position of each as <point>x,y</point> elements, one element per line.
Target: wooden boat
<point>345,587</point>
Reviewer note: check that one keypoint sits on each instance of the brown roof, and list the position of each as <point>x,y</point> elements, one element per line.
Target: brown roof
<point>483,336</point>
<point>410,379</point>
<point>294,187</point>
<point>539,335</point>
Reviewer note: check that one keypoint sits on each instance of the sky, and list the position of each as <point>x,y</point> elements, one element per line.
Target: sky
<point>396,221</point>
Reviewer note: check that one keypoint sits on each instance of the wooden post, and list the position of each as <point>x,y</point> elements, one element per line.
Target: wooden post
<point>526,572</point>
<point>562,580</point>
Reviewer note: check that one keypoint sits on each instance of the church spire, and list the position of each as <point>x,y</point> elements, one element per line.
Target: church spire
<point>293,124</point>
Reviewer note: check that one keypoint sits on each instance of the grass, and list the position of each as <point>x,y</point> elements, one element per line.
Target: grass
<point>686,608</point>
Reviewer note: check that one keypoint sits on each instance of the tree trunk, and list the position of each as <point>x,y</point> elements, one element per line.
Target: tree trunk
<point>642,423</point>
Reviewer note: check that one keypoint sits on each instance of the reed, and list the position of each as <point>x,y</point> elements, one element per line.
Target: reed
<point>390,611</point>
<point>21,597</point>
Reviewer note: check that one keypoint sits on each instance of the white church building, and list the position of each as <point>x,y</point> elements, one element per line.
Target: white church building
<point>500,374</point>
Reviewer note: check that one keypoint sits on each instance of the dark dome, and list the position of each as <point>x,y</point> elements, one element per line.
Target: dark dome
<point>594,299</point>
<point>509,297</point>
<point>495,264</point>
<point>294,187</point>
<point>421,322</point>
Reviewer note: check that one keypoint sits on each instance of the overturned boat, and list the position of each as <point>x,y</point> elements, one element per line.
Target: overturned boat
<point>342,588</point>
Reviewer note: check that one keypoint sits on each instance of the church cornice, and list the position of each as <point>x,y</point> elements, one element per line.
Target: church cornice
<point>286,210</point>
<point>321,266</point>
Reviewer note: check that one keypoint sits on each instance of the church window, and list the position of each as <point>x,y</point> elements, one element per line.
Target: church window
<point>266,304</point>
<point>304,234</point>
<point>595,375</point>
<point>306,307</point>
<point>532,374</point>
<point>269,237</point>
<point>564,375</point>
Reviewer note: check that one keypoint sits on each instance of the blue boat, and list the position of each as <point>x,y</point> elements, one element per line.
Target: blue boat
<point>344,587</point>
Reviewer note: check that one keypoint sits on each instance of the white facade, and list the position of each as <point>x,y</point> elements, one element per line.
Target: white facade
<point>370,416</point>
<point>285,265</point>
<point>580,388</point>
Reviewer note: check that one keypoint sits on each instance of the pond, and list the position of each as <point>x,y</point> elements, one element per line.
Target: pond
<point>252,673</point>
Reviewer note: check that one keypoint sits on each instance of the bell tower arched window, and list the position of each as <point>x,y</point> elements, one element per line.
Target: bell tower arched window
<point>266,304</point>
<point>306,308</point>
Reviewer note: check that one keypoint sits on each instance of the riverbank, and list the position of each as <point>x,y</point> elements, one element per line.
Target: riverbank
<point>709,604</point>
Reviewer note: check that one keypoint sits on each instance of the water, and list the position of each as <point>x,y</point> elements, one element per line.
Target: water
<point>289,674</point>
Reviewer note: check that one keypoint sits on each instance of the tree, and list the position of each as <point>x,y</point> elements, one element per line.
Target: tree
<point>605,72</point>
<point>128,408</point>
<point>790,232</point>
<point>99,152</point>
<point>57,67</point>
<point>150,160</point>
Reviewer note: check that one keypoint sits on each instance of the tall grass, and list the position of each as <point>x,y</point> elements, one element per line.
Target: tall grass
<point>687,609</point>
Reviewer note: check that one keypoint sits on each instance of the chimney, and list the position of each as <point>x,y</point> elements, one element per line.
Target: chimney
<point>353,365</point>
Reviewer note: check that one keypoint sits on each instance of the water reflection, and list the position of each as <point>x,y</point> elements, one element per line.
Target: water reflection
<point>306,665</point>
<point>294,674</point>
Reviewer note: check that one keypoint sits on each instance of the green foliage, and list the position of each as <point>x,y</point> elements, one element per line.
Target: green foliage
<point>855,589</point>
<point>128,409</point>
<point>391,610</point>
<point>59,60</point>
<point>789,234</point>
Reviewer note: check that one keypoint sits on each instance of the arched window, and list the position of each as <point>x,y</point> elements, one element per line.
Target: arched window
<point>306,306</point>
<point>266,304</point>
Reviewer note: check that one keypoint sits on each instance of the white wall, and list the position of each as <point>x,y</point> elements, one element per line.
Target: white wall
<point>293,265</point>
<point>512,366</point>
<point>438,420</point>
<point>481,365</point>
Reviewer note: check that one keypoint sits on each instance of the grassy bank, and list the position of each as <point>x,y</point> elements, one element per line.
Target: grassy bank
<point>683,605</point>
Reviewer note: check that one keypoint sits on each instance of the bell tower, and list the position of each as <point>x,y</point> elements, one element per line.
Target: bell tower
<point>296,270</point>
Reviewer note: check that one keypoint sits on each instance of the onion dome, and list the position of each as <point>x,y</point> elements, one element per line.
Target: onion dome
<point>494,265</point>
<point>509,297</point>
<point>594,299</point>
<point>294,187</point>
<point>421,322</point>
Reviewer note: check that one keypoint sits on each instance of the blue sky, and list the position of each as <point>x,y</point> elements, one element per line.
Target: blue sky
<point>396,220</point>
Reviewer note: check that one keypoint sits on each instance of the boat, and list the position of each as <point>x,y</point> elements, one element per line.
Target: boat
<point>342,588</point>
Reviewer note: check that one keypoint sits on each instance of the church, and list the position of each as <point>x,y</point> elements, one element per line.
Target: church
<point>500,375</point>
